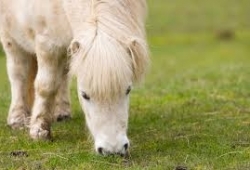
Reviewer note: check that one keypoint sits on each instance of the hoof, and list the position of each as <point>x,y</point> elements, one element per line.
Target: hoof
<point>62,112</point>
<point>17,122</point>
<point>16,125</point>
<point>63,117</point>
<point>38,133</point>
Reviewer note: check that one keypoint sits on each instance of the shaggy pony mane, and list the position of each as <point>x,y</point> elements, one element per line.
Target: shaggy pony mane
<point>112,52</point>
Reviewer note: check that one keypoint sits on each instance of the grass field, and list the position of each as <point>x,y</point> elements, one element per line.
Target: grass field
<point>192,112</point>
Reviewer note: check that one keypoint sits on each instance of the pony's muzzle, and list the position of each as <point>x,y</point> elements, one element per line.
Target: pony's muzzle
<point>107,149</point>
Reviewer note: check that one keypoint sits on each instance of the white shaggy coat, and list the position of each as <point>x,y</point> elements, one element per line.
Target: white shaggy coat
<point>105,40</point>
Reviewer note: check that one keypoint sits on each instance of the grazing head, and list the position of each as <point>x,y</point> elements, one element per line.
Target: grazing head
<point>107,62</point>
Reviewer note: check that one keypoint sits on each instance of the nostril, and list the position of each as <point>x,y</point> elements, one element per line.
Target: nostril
<point>100,150</point>
<point>126,146</point>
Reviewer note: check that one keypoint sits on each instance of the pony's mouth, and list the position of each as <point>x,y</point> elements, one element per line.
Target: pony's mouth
<point>125,153</point>
<point>102,152</point>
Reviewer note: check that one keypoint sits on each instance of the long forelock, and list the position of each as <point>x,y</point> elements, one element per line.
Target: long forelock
<point>104,61</point>
<point>106,71</point>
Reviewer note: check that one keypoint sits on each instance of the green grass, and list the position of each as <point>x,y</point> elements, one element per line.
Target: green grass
<point>193,109</point>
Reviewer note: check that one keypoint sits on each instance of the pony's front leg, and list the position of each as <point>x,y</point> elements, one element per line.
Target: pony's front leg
<point>50,69</point>
<point>62,107</point>
<point>18,66</point>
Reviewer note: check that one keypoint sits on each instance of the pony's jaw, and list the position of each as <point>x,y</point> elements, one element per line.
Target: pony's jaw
<point>107,123</point>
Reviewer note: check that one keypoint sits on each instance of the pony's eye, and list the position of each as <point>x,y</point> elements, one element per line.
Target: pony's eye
<point>85,96</point>
<point>128,90</point>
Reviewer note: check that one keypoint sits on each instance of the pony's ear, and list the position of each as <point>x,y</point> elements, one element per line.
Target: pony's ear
<point>73,51</point>
<point>138,51</point>
<point>73,48</point>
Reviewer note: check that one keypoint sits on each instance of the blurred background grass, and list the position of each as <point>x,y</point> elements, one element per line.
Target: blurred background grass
<point>180,16</point>
<point>197,35</point>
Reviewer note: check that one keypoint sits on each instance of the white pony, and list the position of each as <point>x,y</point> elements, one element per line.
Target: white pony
<point>107,51</point>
